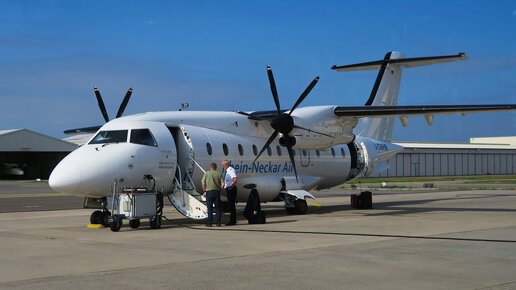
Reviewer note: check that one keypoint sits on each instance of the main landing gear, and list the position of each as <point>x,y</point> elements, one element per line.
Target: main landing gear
<point>295,206</point>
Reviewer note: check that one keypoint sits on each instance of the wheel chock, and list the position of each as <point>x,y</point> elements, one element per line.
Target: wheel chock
<point>94,226</point>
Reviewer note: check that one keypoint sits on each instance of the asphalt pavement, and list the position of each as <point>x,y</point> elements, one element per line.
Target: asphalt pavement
<point>411,239</point>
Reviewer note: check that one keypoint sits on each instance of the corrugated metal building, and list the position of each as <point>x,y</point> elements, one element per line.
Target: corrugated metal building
<point>451,159</point>
<point>28,154</point>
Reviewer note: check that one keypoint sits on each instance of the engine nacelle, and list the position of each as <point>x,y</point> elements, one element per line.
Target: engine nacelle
<point>268,187</point>
<point>370,156</point>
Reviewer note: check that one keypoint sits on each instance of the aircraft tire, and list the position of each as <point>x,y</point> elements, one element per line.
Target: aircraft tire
<point>290,210</point>
<point>105,218</point>
<point>301,207</point>
<point>134,224</point>
<point>97,217</point>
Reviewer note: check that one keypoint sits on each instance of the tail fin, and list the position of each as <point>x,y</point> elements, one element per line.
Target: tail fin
<point>386,88</point>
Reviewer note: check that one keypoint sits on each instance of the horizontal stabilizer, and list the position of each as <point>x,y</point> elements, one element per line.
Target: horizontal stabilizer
<point>403,62</point>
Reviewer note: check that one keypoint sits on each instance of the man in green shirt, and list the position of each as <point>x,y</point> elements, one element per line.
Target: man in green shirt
<point>211,185</point>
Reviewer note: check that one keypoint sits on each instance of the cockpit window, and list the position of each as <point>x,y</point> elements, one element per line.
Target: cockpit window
<point>143,137</point>
<point>116,136</point>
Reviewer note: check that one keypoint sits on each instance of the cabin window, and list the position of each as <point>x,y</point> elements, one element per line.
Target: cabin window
<point>304,153</point>
<point>240,149</point>
<point>269,150</point>
<point>225,149</point>
<point>255,150</point>
<point>342,152</point>
<point>318,153</point>
<point>115,136</point>
<point>143,137</point>
<point>278,148</point>
<point>332,152</point>
<point>209,149</point>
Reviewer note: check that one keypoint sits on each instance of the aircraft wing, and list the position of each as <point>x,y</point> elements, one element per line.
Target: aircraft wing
<point>396,111</point>
<point>393,111</point>
<point>91,129</point>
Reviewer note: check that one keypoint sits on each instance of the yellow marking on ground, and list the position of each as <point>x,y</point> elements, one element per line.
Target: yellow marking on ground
<point>313,204</point>
<point>29,195</point>
<point>94,226</point>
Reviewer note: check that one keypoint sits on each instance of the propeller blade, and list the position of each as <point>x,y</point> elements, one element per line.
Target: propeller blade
<point>304,94</point>
<point>273,89</point>
<point>251,116</point>
<point>121,109</point>
<point>291,155</point>
<point>310,130</point>
<point>101,104</point>
<point>271,138</point>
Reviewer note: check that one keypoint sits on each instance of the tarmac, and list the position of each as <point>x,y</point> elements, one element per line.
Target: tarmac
<point>411,239</point>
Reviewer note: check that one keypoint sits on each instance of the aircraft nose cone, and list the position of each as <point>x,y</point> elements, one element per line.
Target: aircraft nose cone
<point>65,178</point>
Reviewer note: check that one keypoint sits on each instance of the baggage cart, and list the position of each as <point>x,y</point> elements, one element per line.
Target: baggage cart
<point>134,204</point>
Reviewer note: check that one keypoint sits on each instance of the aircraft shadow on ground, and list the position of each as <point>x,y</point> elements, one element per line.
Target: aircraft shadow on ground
<point>388,208</point>
<point>411,206</point>
<point>391,208</point>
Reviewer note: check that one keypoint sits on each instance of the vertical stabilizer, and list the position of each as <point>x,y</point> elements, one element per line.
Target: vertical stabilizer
<point>386,88</point>
<point>384,93</point>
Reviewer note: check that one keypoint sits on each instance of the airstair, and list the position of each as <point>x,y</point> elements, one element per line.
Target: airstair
<point>185,198</point>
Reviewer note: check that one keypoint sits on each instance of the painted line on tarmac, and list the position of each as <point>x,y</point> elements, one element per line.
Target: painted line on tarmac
<point>32,195</point>
<point>33,206</point>
<point>362,235</point>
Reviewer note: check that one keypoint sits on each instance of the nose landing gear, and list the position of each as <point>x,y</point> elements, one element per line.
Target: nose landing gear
<point>100,217</point>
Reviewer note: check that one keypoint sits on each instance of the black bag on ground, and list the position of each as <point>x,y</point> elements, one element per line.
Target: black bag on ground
<point>253,210</point>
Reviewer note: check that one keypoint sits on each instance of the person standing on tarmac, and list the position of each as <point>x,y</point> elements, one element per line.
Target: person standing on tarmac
<point>211,186</point>
<point>230,181</point>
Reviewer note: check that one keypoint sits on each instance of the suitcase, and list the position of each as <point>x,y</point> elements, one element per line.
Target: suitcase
<point>354,201</point>
<point>258,218</point>
<point>365,200</point>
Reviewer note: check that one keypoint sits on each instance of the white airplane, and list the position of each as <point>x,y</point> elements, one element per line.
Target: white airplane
<point>12,169</point>
<point>281,153</point>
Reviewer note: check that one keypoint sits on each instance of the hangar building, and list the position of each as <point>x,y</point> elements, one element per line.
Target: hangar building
<point>454,159</point>
<point>30,155</point>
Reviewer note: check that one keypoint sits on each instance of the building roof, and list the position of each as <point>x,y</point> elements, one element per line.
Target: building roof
<point>24,140</point>
<point>432,145</point>
<point>510,140</point>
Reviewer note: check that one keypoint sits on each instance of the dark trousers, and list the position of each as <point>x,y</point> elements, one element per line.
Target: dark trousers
<point>231,194</point>
<point>213,198</point>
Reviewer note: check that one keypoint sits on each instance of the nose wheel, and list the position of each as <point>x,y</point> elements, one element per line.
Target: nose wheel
<point>100,217</point>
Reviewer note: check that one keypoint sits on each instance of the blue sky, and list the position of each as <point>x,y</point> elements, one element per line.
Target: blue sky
<point>213,55</point>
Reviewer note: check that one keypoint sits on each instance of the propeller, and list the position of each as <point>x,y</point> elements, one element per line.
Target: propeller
<point>283,123</point>
<point>121,109</point>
